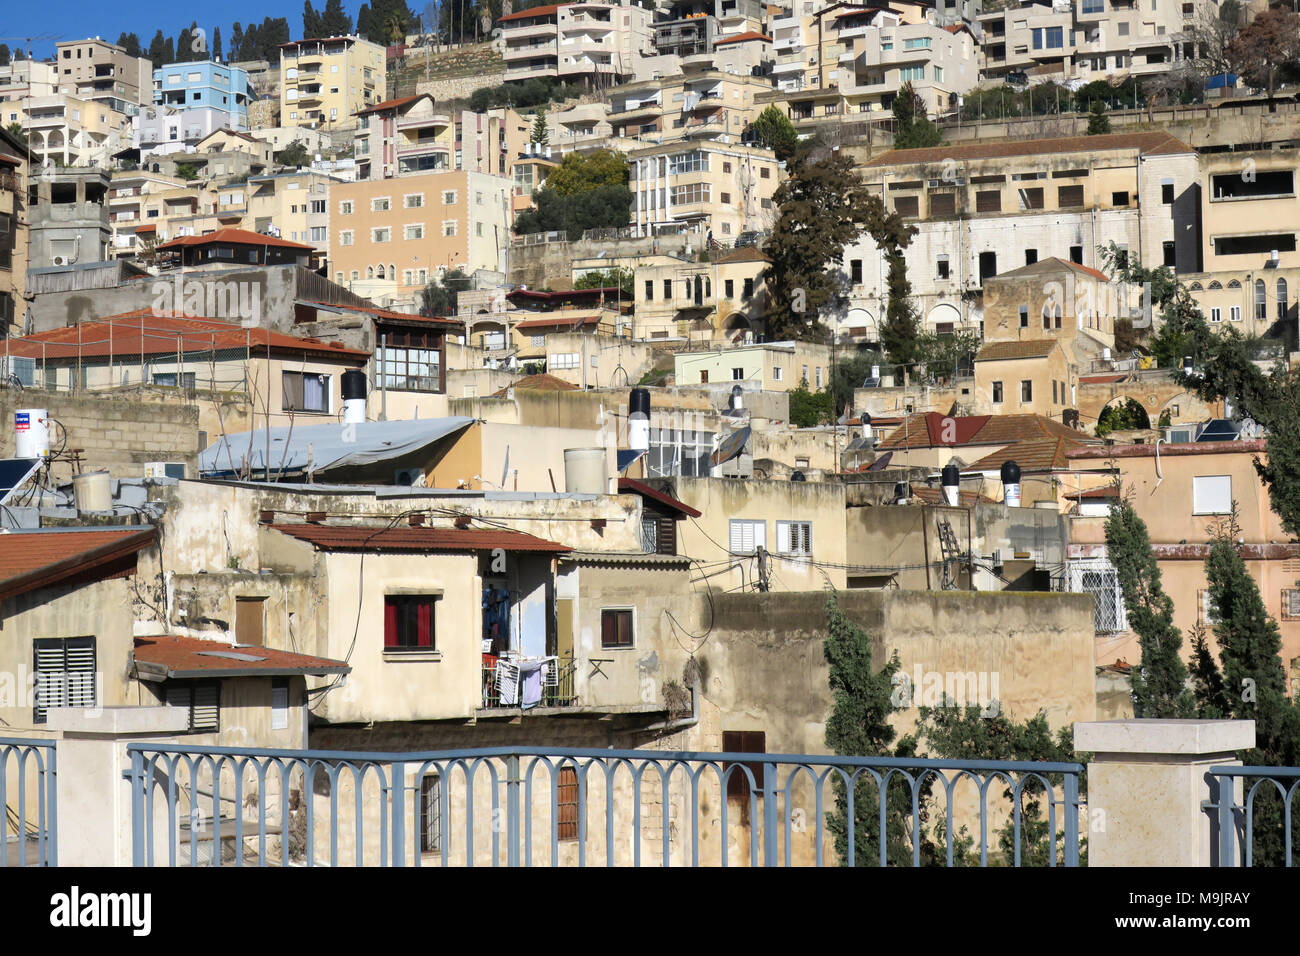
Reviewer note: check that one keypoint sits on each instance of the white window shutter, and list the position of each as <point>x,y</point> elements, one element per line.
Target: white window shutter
<point>783,529</point>
<point>737,543</point>
<point>279,708</point>
<point>759,531</point>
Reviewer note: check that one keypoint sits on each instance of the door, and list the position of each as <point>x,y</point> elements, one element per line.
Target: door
<point>249,621</point>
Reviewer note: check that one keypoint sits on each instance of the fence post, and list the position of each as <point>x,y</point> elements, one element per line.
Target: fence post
<point>398,784</point>
<point>1149,788</point>
<point>512,810</point>
<point>769,814</point>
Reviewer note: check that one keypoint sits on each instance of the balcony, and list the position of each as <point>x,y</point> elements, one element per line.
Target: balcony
<point>527,683</point>
<point>437,119</point>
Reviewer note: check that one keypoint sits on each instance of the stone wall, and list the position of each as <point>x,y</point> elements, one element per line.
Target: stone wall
<point>459,87</point>
<point>117,434</point>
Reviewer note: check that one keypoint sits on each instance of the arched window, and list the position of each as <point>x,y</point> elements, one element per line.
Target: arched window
<point>1261,299</point>
<point>1214,286</point>
<point>1234,284</point>
<point>1195,287</point>
<point>1051,315</point>
<point>380,273</point>
<point>338,277</point>
<point>355,275</point>
<point>1281,299</point>
<point>370,272</point>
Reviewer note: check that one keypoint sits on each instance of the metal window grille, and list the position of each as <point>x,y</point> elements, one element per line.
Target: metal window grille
<point>1100,579</point>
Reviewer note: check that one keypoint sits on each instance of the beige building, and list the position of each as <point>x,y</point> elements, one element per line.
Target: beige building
<point>324,83</point>
<point>597,44</point>
<point>1028,377</point>
<point>721,299</point>
<point>389,238</point>
<point>411,136</point>
<point>291,205</point>
<point>986,208</point>
<point>20,79</point>
<point>775,366</point>
<point>103,72</point>
<point>700,104</point>
<point>1182,496</point>
<point>703,186</point>
<point>13,232</point>
<point>70,131</point>
<point>1057,300</point>
<point>137,199</point>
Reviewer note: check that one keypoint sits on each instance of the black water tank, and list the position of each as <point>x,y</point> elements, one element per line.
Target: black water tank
<point>1010,473</point>
<point>950,477</point>
<point>639,402</point>
<point>354,384</point>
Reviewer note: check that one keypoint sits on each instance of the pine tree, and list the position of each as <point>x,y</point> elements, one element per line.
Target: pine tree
<point>236,43</point>
<point>912,128</point>
<point>4,54</point>
<point>216,43</point>
<point>901,329</point>
<point>185,45</point>
<point>157,50</point>
<point>169,51</point>
<point>1159,681</point>
<point>334,21</point>
<point>541,135</point>
<point>1098,121</point>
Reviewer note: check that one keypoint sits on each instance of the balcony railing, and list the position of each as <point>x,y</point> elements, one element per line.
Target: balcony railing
<point>505,682</point>
<point>29,828</point>
<point>1268,803</point>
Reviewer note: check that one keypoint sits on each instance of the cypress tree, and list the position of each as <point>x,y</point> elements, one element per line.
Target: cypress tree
<point>1159,681</point>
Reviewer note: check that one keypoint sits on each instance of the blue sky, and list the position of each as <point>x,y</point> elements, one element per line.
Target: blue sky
<point>78,19</point>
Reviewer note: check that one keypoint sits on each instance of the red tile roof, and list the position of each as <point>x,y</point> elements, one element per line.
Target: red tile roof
<point>360,538</point>
<point>580,320</point>
<point>238,237</point>
<point>545,11</point>
<point>1252,447</point>
<point>743,254</point>
<point>391,104</point>
<point>632,486</point>
<point>1002,351</point>
<point>389,313</point>
<point>742,37</point>
<point>161,658</point>
<point>1102,379</point>
<point>1042,454</point>
<point>38,559</point>
<point>928,430</point>
<point>152,333</point>
<point>537,383</point>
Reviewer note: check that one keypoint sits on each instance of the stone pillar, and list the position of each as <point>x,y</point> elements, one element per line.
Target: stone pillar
<point>94,798</point>
<point>1146,786</point>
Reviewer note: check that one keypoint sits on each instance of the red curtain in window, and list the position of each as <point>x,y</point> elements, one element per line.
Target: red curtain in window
<point>424,624</point>
<point>390,624</point>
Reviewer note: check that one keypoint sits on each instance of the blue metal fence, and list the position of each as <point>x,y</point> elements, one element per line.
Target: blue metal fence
<point>29,830</point>
<point>542,806</point>
<point>1235,823</point>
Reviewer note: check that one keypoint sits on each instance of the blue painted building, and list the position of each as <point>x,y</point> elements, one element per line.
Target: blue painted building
<point>203,85</point>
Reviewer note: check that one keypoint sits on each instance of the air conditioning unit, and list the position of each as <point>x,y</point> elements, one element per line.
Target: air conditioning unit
<point>62,261</point>
<point>164,469</point>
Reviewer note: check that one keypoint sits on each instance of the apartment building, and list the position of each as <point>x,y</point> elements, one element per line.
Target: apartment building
<point>389,239</point>
<point>710,186</point>
<point>745,54</point>
<point>291,205</point>
<point>204,86</point>
<point>20,79</point>
<point>986,208</point>
<point>582,127</point>
<point>1249,269</point>
<point>326,82</point>
<point>68,219</point>
<point>161,130</point>
<point>597,44</point>
<point>13,231</point>
<point>771,366</point>
<point>411,136</point>
<point>97,70</point>
<point>703,103</point>
<point>139,202</point>
<point>721,300</point>
<point>73,132</point>
<point>1091,39</point>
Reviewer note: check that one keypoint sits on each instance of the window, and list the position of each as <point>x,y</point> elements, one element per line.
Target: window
<point>381,235</point>
<point>737,374</point>
<point>1024,316</point>
<point>280,703</point>
<point>414,232</point>
<point>449,227</point>
<point>1216,315</point>
<point>668,290</point>
<point>449,197</point>
<point>379,205</point>
<point>414,201</point>
<point>988,265</point>
<point>1119,199</point>
<point>1167,193</point>
<point>748,289</point>
<point>726,198</point>
<point>658,534</point>
<point>318,234</point>
<point>306,392</point>
<point>1254,245</point>
<point>907,206</point>
<point>680,451</point>
<point>764,173</point>
<point>941,266</point>
<point>1031,198</point>
<point>728,288</point>
<point>691,193</point>
<point>650,290</point>
<point>997,393</point>
<point>1051,315</point>
<point>855,271</point>
<point>1076,255</point>
<point>778,373</point>
<point>1212,494</point>
<point>738,781</point>
<point>566,804</point>
<point>64,674</point>
<point>1281,299</point>
<point>943,204</point>
<point>430,813</point>
<point>1291,604</point>
<point>409,622</point>
<point>988,200</point>
<point>1261,299</point>
<point>747,536</point>
<point>317,206</point>
<point>1234,313</point>
<point>202,699</point>
<point>911,74</point>
<point>1170,254</point>
<point>411,369</point>
<point>1069,196</point>
<point>1208,613</point>
<point>1031,256</point>
<point>794,537</point>
<point>616,627</point>
<point>249,620</point>
<point>1123,29</point>
<point>1026,391</point>
<point>169,380</point>
<point>1100,579</point>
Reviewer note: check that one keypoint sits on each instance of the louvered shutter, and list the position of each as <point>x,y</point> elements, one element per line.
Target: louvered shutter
<point>783,535</point>
<point>205,712</point>
<point>737,544</point>
<point>65,674</point>
<point>667,536</point>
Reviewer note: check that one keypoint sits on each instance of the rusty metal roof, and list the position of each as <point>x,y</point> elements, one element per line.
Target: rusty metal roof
<point>362,538</point>
<point>162,658</point>
<point>37,559</point>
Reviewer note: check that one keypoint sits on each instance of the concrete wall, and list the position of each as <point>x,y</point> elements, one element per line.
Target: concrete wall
<point>538,266</point>
<point>117,434</point>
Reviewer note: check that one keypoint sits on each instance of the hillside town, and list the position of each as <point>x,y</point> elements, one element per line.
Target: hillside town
<point>709,432</point>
